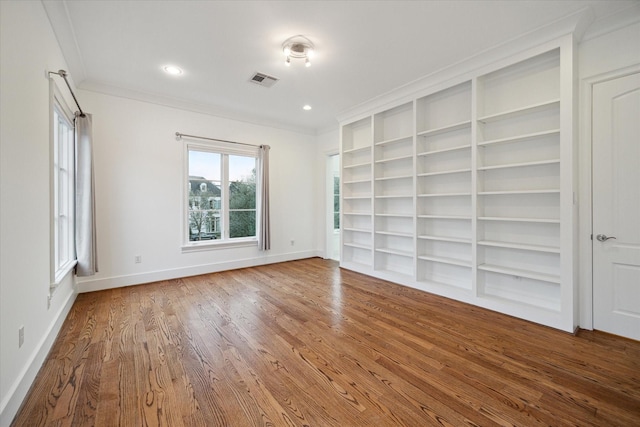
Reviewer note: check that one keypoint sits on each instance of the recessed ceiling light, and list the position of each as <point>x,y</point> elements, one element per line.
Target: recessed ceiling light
<point>172,69</point>
<point>307,107</point>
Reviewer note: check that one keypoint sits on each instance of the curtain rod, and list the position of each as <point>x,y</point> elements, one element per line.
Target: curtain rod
<point>63,74</point>
<point>180,135</point>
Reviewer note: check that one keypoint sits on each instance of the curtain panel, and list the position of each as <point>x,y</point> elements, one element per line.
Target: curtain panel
<point>264,227</point>
<point>86,251</point>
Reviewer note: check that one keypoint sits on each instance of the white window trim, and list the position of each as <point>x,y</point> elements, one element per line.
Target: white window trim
<point>63,272</point>
<point>213,147</point>
<point>59,273</point>
<point>210,245</point>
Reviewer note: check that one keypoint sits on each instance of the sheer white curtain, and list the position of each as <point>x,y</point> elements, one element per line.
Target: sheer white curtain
<point>85,201</point>
<point>264,228</point>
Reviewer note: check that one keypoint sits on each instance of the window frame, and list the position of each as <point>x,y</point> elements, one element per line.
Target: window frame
<point>62,194</point>
<point>225,150</point>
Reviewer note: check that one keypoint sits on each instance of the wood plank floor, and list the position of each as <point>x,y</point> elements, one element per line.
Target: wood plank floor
<point>306,343</point>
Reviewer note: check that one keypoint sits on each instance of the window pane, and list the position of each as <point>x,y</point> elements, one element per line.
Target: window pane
<point>242,196</point>
<point>242,168</point>
<point>204,165</point>
<point>242,223</point>
<point>205,182</point>
<point>63,171</point>
<point>242,182</point>
<point>336,221</point>
<point>204,224</point>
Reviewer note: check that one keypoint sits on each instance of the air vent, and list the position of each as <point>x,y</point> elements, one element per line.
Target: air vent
<point>263,80</point>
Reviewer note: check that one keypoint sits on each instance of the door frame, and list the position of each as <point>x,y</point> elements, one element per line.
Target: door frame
<point>585,200</point>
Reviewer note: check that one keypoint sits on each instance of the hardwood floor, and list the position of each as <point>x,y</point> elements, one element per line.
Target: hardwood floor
<point>305,343</point>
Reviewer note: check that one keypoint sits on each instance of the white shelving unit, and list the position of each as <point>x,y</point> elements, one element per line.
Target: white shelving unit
<point>394,190</point>
<point>443,158</point>
<point>518,182</point>
<point>357,195</point>
<point>467,191</point>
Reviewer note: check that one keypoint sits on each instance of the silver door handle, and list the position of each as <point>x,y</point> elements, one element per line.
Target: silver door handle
<point>603,238</point>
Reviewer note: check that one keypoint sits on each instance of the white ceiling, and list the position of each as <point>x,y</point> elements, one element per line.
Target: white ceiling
<point>363,49</point>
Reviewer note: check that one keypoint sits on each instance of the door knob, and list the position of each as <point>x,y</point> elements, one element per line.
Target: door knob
<point>603,238</point>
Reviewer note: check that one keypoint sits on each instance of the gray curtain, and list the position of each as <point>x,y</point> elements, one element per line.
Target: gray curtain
<point>85,201</point>
<point>264,228</point>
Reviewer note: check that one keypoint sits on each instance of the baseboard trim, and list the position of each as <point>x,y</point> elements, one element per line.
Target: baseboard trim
<point>92,285</point>
<point>18,391</point>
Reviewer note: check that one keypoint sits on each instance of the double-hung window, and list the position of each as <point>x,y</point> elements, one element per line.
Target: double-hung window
<point>220,205</point>
<point>63,178</point>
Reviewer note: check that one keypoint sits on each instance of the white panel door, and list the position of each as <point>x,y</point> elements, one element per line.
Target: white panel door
<point>616,206</point>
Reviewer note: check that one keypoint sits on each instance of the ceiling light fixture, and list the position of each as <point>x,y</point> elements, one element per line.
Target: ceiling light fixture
<point>173,70</point>
<point>307,107</point>
<point>298,47</point>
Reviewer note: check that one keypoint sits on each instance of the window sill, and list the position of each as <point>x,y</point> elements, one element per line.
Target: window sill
<point>236,243</point>
<point>61,273</point>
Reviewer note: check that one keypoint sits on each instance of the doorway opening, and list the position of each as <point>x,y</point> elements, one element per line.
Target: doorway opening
<point>333,207</point>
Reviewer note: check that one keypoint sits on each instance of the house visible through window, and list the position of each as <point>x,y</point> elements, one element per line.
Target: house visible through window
<point>221,203</point>
<point>63,191</point>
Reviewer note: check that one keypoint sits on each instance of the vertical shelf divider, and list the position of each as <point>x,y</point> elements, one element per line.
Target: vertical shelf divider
<point>414,138</point>
<point>474,186</point>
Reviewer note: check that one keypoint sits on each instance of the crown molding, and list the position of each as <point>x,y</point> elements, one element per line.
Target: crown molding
<point>60,22</point>
<point>575,24</point>
<point>226,113</point>
<point>613,22</point>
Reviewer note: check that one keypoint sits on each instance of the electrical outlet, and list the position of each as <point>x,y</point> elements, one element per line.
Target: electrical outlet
<point>20,336</point>
<point>138,259</point>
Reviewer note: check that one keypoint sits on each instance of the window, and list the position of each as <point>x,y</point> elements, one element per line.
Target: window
<point>221,201</point>
<point>63,190</point>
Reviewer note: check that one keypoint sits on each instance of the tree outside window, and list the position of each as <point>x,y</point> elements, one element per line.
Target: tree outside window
<point>242,198</point>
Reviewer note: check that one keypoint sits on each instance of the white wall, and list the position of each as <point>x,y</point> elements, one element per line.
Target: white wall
<point>610,45</point>
<point>139,188</point>
<point>27,48</point>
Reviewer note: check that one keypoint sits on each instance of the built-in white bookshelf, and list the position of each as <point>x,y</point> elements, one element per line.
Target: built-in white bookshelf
<point>357,193</point>
<point>444,167</point>
<point>518,182</point>
<point>467,191</point>
<point>394,190</point>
